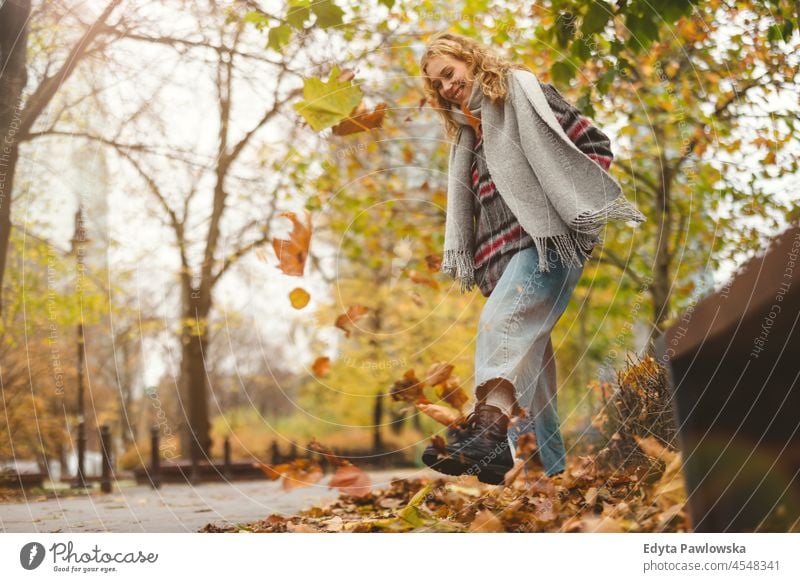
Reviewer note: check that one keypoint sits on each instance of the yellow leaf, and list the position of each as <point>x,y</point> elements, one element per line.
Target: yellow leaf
<point>326,104</point>
<point>299,297</point>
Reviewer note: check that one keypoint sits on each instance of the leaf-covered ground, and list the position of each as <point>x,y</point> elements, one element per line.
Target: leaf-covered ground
<point>588,496</point>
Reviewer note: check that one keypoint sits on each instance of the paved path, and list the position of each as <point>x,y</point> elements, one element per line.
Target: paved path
<point>174,507</point>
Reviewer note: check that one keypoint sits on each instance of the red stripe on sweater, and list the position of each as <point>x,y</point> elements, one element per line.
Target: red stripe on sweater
<point>603,161</point>
<point>486,189</point>
<point>490,246</point>
<point>578,128</point>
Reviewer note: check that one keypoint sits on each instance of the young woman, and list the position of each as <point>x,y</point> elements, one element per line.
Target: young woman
<point>528,193</point>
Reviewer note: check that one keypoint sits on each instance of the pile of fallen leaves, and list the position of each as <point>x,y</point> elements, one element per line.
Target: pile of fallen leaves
<point>587,497</point>
<point>640,405</point>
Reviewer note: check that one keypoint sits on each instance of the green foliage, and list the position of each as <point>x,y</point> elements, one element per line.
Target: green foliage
<point>326,103</point>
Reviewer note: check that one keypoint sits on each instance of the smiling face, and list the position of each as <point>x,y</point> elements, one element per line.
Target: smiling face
<point>451,78</point>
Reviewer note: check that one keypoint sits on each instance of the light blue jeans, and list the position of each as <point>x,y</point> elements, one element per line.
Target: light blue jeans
<point>513,342</point>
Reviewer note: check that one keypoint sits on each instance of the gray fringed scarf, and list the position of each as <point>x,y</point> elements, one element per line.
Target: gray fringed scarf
<point>556,191</point>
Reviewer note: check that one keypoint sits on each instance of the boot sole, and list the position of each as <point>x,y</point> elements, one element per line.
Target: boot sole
<point>490,474</point>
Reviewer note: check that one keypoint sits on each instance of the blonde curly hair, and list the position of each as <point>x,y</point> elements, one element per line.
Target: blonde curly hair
<point>488,68</point>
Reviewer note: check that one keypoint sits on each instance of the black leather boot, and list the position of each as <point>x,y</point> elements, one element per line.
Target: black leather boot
<point>479,448</point>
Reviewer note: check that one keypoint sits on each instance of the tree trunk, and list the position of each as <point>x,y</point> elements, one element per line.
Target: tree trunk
<point>195,394</point>
<point>662,282</point>
<point>194,378</point>
<point>14,16</point>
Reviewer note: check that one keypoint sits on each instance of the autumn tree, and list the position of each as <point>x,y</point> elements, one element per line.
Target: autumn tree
<point>48,68</point>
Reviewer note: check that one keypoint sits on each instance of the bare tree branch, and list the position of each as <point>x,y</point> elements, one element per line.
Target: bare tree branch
<point>44,93</point>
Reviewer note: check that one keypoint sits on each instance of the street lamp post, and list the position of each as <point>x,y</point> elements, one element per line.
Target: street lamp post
<point>79,240</point>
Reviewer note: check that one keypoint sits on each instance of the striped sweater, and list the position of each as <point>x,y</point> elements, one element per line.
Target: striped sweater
<point>498,234</point>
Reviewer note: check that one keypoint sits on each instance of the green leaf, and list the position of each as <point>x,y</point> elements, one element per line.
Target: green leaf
<point>565,28</point>
<point>643,31</point>
<point>387,3</point>
<point>328,13</point>
<point>584,103</point>
<point>298,13</point>
<point>260,20</point>
<point>279,36</point>
<point>605,81</point>
<point>581,49</point>
<point>596,18</point>
<point>563,71</point>
<point>326,104</point>
<point>671,10</point>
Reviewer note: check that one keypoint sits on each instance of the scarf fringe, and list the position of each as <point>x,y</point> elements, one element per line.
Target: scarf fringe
<point>572,248</point>
<point>591,222</point>
<point>460,264</point>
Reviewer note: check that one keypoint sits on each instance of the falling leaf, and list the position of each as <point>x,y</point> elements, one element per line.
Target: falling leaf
<point>434,262</point>
<point>292,253</point>
<point>299,297</point>
<point>321,366</point>
<point>301,473</point>
<point>272,472</point>
<point>421,279</point>
<point>351,480</point>
<point>452,393</point>
<point>346,75</point>
<point>486,522</point>
<point>440,414</point>
<point>361,120</point>
<point>353,314</point>
<point>329,455</point>
<point>438,372</point>
<point>409,389</point>
<point>327,103</point>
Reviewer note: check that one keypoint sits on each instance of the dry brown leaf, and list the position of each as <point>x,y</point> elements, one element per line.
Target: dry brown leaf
<point>655,449</point>
<point>440,414</point>
<point>346,75</point>
<point>602,524</point>
<point>292,253</point>
<point>301,473</point>
<point>438,372</point>
<point>329,455</point>
<point>335,524</point>
<point>452,393</point>
<point>513,473</point>
<point>361,120</point>
<point>590,497</point>
<point>292,527</point>
<point>486,522</point>
<point>272,472</point>
<point>421,279</point>
<point>321,366</point>
<point>351,480</point>
<point>409,389</point>
<point>434,262</point>
<point>353,314</point>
